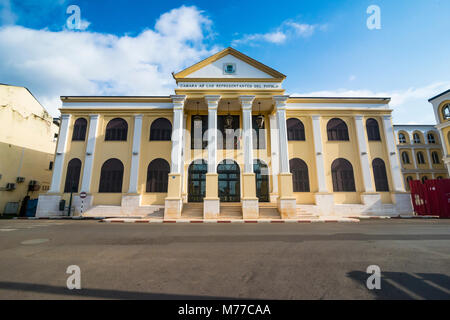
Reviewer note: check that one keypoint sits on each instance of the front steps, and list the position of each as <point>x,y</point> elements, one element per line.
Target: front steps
<point>192,211</point>
<point>230,211</point>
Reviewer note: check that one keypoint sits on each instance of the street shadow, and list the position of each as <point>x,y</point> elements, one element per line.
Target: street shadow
<point>407,286</point>
<point>60,292</point>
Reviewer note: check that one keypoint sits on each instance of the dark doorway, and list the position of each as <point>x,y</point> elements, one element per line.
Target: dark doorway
<point>262,180</point>
<point>197,181</point>
<point>229,181</point>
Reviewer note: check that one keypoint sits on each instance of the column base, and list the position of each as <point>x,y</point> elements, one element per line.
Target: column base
<point>250,208</point>
<point>211,208</point>
<point>173,208</point>
<point>48,206</point>
<point>372,203</point>
<point>273,197</point>
<point>402,203</point>
<point>82,205</point>
<point>287,208</point>
<point>325,203</point>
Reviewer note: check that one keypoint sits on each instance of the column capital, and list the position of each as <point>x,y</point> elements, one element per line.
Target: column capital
<point>212,99</point>
<point>387,117</point>
<point>280,101</point>
<point>178,101</point>
<point>358,117</point>
<point>316,116</point>
<point>94,116</point>
<point>65,116</point>
<point>246,102</point>
<point>138,116</point>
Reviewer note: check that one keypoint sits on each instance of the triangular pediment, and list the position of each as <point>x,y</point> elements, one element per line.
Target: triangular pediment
<point>229,64</point>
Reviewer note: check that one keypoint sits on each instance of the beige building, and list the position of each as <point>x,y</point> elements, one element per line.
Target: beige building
<point>28,138</point>
<point>421,153</point>
<point>441,108</point>
<point>230,140</point>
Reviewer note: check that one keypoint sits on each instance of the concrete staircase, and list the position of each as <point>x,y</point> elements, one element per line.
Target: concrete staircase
<point>192,211</point>
<point>303,214</point>
<point>268,211</point>
<point>230,211</point>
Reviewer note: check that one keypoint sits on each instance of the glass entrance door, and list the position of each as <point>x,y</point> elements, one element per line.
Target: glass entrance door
<point>197,181</point>
<point>262,181</point>
<point>229,181</point>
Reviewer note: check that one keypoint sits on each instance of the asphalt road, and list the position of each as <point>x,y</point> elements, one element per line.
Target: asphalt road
<point>251,261</point>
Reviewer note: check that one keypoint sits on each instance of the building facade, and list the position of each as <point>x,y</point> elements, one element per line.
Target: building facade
<point>421,153</point>
<point>28,138</point>
<point>229,136</point>
<point>441,108</point>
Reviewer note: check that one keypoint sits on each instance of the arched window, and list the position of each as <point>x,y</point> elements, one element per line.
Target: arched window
<point>440,178</point>
<point>295,130</point>
<point>405,157</point>
<point>373,130</point>
<point>420,158</point>
<point>342,175</point>
<point>300,176</point>
<point>435,157</point>
<point>73,175</point>
<point>408,180</point>
<point>446,111</point>
<point>158,176</point>
<point>401,138</point>
<point>111,176</point>
<point>416,138</point>
<point>161,130</point>
<point>431,138</point>
<point>337,130</point>
<point>116,130</point>
<point>79,130</point>
<point>380,176</point>
<point>424,178</point>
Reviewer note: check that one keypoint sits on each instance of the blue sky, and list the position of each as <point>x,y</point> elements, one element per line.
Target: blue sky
<point>324,47</point>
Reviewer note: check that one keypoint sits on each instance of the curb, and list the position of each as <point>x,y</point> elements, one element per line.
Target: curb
<point>154,221</point>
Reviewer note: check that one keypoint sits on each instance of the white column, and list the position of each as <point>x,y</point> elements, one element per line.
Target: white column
<point>318,148</point>
<point>274,146</point>
<point>60,153</point>
<point>430,159</point>
<point>213,102</point>
<point>280,105</point>
<point>177,133</point>
<point>134,173</point>
<point>246,104</point>
<point>90,150</point>
<point>365,162</point>
<point>396,172</point>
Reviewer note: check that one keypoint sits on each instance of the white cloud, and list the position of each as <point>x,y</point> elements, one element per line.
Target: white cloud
<point>288,29</point>
<point>410,105</point>
<point>52,64</point>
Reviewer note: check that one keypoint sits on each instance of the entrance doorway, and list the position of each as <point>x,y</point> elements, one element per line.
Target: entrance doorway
<point>262,180</point>
<point>197,181</point>
<point>229,181</point>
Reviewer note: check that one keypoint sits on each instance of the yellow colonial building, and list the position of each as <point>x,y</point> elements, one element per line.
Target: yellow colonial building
<point>441,108</point>
<point>228,142</point>
<point>27,144</point>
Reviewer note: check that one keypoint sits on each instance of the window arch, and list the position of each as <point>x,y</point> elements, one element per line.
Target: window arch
<point>446,111</point>
<point>295,130</point>
<point>380,176</point>
<point>158,176</point>
<point>416,138</point>
<point>424,178</point>
<point>431,138</point>
<point>300,176</point>
<point>161,130</point>
<point>373,130</point>
<point>116,130</point>
<point>405,157</point>
<point>435,157</point>
<point>342,175</point>
<point>72,175</point>
<point>111,176</point>
<point>79,130</point>
<point>408,180</point>
<point>420,158</point>
<point>337,130</point>
<point>401,137</point>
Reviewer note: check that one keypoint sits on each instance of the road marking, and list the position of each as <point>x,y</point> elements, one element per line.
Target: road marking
<point>7,230</point>
<point>34,241</point>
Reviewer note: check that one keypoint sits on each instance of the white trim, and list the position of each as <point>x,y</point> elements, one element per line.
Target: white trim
<point>365,162</point>
<point>246,104</point>
<point>318,148</point>
<point>60,154</point>
<point>90,153</point>
<point>134,171</point>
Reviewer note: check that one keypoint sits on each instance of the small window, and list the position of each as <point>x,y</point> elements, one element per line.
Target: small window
<point>337,130</point>
<point>435,157</point>
<point>380,176</point>
<point>425,178</point>
<point>405,157</point>
<point>300,176</point>
<point>408,181</point>
<point>417,139</point>
<point>116,130</point>
<point>158,176</point>
<point>431,138</point>
<point>79,130</point>
<point>161,130</point>
<point>373,130</point>
<point>295,130</point>
<point>111,176</point>
<point>401,138</point>
<point>342,175</point>
<point>446,112</point>
<point>72,175</point>
<point>420,158</point>
<point>440,178</point>
<point>50,165</point>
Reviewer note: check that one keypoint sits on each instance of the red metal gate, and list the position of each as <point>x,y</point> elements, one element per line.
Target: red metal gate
<point>431,198</point>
